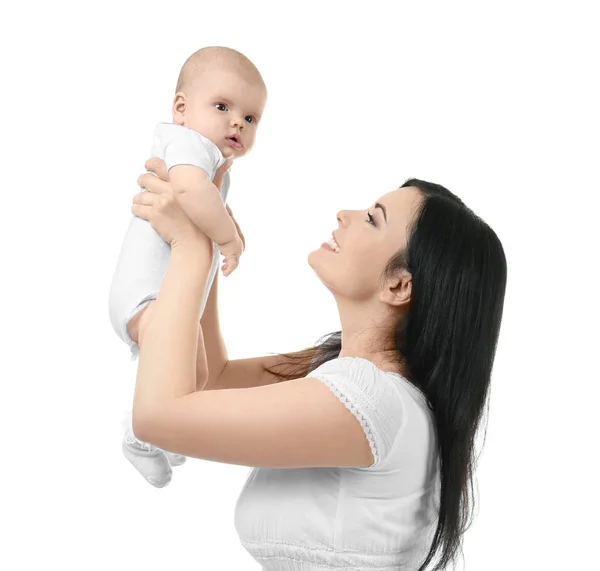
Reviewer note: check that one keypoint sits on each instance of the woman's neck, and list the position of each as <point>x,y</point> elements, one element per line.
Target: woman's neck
<point>369,333</point>
<point>386,359</point>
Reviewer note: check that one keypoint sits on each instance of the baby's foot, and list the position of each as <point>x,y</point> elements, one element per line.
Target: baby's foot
<point>151,462</point>
<point>174,459</point>
<point>153,465</point>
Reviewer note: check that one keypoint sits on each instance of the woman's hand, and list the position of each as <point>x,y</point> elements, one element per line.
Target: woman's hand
<point>157,204</point>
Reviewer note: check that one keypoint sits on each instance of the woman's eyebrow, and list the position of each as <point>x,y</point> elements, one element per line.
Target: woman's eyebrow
<point>379,205</point>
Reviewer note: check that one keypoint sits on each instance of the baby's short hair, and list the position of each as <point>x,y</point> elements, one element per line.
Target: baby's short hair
<point>200,60</point>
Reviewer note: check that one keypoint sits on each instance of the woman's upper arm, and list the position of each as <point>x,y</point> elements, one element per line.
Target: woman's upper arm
<point>298,424</point>
<point>346,414</point>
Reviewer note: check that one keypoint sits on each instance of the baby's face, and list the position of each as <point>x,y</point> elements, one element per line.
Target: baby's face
<point>226,109</point>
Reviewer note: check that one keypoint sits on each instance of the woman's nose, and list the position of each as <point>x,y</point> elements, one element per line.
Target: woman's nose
<point>342,217</point>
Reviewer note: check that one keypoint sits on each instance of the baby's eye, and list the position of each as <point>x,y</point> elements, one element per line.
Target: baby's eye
<point>370,218</point>
<point>250,119</point>
<point>221,106</point>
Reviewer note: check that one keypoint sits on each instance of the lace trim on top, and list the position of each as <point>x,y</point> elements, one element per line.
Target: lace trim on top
<point>353,407</point>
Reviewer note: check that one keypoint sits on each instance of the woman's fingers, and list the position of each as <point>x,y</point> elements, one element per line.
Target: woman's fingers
<point>141,210</point>
<point>147,205</point>
<point>165,216</point>
<point>146,198</point>
<point>157,201</point>
<point>153,183</point>
<point>158,167</point>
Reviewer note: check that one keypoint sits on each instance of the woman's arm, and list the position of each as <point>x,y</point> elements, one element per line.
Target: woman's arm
<point>222,372</point>
<point>214,344</point>
<point>296,424</point>
<point>169,339</point>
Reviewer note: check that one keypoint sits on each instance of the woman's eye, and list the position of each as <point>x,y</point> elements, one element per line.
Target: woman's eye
<point>221,106</point>
<point>250,119</point>
<point>371,219</point>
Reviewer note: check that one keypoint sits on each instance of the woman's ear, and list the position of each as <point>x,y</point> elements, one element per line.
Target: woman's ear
<point>398,289</point>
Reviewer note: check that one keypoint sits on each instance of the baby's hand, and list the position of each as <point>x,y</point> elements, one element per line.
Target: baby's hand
<point>231,251</point>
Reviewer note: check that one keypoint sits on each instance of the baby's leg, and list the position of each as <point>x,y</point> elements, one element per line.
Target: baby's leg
<point>139,321</point>
<point>140,270</point>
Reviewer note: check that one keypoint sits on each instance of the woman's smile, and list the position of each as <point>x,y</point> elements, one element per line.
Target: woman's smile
<point>327,247</point>
<point>332,245</point>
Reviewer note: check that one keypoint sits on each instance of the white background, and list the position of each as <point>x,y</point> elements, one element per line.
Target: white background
<point>497,101</point>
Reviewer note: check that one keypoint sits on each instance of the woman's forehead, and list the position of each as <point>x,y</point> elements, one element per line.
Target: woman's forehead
<point>401,203</point>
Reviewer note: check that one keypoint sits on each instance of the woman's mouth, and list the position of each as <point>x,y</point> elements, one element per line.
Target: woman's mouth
<point>332,245</point>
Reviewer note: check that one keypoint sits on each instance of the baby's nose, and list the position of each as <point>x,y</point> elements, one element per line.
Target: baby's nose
<point>237,121</point>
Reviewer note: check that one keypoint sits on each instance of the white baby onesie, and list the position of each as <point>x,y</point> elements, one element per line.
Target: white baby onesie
<point>144,255</point>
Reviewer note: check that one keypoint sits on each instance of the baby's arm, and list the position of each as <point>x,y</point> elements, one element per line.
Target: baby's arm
<point>201,200</point>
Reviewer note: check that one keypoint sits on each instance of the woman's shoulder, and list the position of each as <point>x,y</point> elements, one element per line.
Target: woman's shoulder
<point>383,401</point>
<point>355,368</point>
<point>367,375</point>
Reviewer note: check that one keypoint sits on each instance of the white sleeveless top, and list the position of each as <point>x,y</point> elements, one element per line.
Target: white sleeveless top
<point>382,517</point>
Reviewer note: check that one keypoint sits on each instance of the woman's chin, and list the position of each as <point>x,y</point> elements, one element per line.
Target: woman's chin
<point>318,261</point>
<point>315,258</point>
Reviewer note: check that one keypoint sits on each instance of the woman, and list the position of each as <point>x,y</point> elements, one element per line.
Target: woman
<point>364,457</point>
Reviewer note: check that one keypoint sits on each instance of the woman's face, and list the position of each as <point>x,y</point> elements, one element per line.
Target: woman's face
<point>367,239</point>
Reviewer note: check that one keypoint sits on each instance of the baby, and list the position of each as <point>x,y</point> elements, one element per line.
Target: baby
<point>219,99</point>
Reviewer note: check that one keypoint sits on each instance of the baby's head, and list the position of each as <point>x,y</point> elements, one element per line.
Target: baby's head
<point>220,94</point>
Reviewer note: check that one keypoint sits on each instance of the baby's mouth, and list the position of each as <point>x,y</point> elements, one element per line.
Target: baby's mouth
<point>234,142</point>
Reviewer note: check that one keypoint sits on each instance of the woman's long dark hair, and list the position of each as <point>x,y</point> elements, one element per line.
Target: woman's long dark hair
<point>447,341</point>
